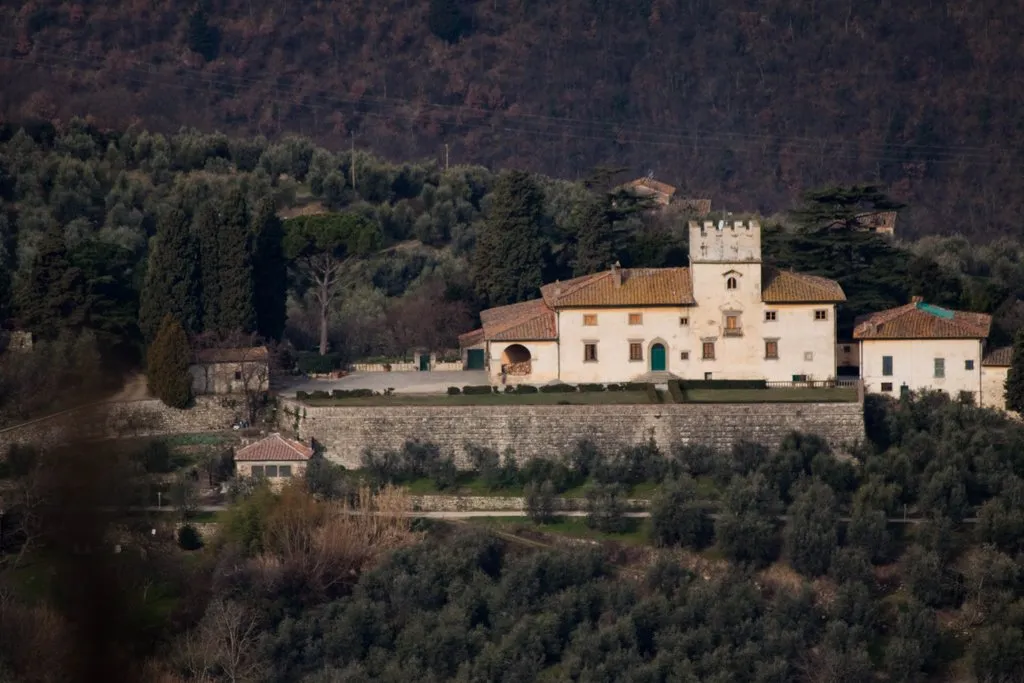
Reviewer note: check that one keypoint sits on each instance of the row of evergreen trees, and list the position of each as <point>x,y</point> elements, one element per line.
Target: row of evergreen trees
<point>203,269</point>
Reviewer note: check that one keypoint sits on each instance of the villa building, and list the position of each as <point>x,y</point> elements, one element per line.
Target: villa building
<point>922,346</point>
<point>726,316</point>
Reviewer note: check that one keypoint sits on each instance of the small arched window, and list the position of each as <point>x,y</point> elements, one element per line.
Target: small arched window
<point>730,283</point>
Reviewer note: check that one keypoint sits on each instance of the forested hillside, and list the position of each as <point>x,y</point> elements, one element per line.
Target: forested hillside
<point>748,103</point>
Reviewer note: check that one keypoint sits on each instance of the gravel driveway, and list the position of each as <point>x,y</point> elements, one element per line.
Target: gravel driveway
<point>434,382</point>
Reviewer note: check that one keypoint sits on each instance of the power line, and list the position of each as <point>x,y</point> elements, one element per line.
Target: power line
<point>566,127</point>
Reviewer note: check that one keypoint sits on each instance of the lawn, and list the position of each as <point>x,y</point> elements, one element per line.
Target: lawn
<point>538,399</point>
<point>573,527</point>
<point>774,395</point>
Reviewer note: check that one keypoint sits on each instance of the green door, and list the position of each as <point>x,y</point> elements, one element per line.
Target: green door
<point>425,362</point>
<point>657,358</point>
<point>475,359</point>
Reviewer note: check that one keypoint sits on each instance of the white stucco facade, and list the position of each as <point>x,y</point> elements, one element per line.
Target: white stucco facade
<point>993,386</point>
<point>950,365</point>
<point>727,316</point>
<point>543,360</point>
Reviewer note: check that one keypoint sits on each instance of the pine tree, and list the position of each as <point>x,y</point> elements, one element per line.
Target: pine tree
<point>207,229</point>
<point>236,308</point>
<point>270,272</point>
<point>595,237</point>
<point>509,259</point>
<point>52,297</point>
<point>172,277</point>
<point>1015,376</point>
<point>168,360</point>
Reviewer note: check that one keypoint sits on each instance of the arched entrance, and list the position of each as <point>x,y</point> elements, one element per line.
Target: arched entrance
<point>658,357</point>
<point>515,360</point>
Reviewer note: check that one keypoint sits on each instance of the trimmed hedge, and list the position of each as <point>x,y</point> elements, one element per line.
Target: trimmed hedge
<point>592,387</point>
<point>454,391</point>
<point>477,389</point>
<point>351,393</point>
<point>312,363</point>
<point>723,384</point>
<point>558,389</point>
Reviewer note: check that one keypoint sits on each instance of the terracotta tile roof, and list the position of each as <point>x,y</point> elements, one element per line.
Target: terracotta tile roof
<point>639,287</point>
<point>471,338</point>
<point>274,447</point>
<point>918,320</point>
<point>785,286</point>
<point>210,356</point>
<point>998,357</point>
<point>525,321</point>
<point>653,185</point>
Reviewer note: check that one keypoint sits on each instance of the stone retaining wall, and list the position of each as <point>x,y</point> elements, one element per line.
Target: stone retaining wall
<point>541,431</point>
<point>148,417</point>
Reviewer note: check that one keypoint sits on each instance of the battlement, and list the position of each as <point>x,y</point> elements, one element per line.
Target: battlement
<point>725,241</point>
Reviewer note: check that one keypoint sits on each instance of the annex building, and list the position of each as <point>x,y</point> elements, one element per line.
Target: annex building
<point>726,316</point>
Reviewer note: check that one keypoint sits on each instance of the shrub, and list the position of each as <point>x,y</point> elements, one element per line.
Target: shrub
<point>558,388</point>
<point>319,394</point>
<point>454,391</point>
<point>746,527</point>
<point>302,395</point>
<point>635,464</point>
<point>696,460</point>
<point>677,519</point>
<point>634,386</point>
<point>415,460</point>
<point>189,538</point>
<point>811,532</point>
<point>155,457</point>
<point>540,501</point>
<point>606,510</point>
<point>312,363</point>
<point>478,389</point>
<point>352,393</point>
<point>687,384</point>
<point>526,389</point>
<point>592,387</point>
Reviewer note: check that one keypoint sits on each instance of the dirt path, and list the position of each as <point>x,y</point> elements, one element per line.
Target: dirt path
<point>134,389</point>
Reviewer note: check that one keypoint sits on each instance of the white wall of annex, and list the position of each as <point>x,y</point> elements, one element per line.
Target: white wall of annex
<point>914,365</point>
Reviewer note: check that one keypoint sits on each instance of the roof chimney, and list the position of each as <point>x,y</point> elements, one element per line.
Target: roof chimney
<point>617,274</point>
<point>916,299</point>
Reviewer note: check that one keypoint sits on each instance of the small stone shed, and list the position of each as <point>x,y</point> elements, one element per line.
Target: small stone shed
<point>230,371</point>
<point>275,457</point>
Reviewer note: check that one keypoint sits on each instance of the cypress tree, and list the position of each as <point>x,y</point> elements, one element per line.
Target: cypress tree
<point>595,238</point>
<point>168,360</point>
<point>52,297</point>
<point>172,277</point>
<point>509,259</point>
<point>236,309</point>
<point>270,272</point>
<point>207,229</point>
<point>1015,376</point>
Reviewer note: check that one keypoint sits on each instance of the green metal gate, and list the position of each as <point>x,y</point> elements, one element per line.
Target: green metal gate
<point>425,362</point>
<point>475,359</point>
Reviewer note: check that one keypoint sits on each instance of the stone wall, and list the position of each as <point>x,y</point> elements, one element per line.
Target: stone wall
<point>148,417</point>
<point>438,503</point>
<point>538,431</point>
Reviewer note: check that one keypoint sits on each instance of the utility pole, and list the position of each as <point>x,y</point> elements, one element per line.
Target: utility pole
<point>446,156</point>
<point>353,160</point>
